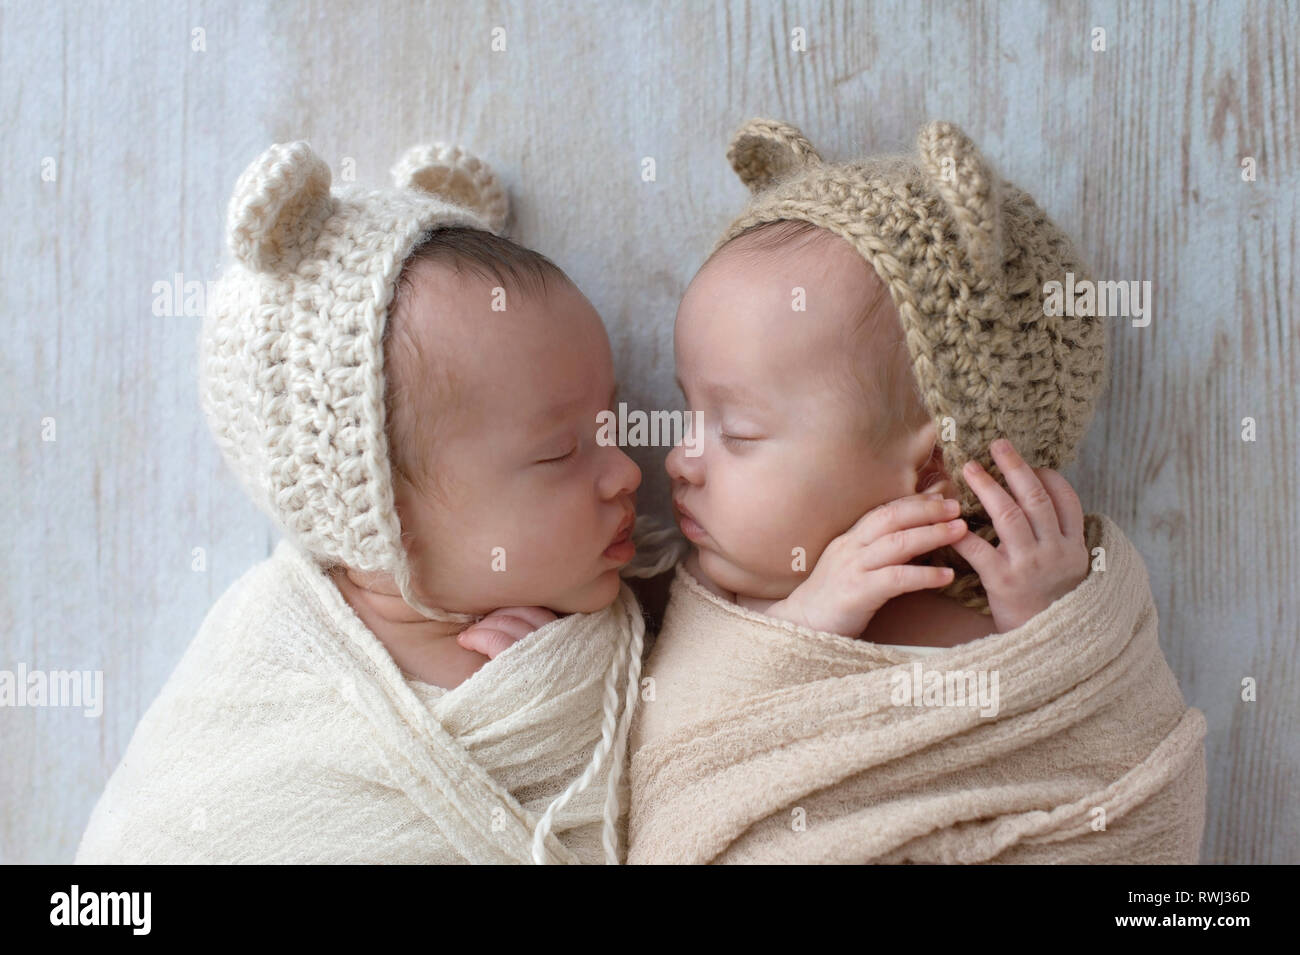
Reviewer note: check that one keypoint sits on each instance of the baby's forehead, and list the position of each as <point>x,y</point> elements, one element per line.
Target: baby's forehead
<point>441,279</point>
<point>818,265</point>
<point>815,286</point>
<point>479,331</point>
<point>447,301</point>
<point>808,310</point>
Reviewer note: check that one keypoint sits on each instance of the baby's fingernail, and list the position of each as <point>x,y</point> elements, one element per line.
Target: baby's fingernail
<point>952,507</point>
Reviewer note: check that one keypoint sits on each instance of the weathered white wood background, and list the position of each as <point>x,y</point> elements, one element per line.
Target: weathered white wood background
<point>1135,150</point>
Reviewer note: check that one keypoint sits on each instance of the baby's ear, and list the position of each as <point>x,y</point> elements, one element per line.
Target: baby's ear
<point>765,150</point>
<point>278,206</point>
<point>963,178</point>
<point>456,176</point>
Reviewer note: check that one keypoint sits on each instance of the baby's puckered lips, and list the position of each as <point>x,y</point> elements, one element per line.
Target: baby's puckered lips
<point>622,548</point>
<point>692,528</point>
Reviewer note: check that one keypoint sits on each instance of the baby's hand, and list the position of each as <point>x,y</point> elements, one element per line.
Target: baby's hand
<point>1042,555</point>
<point>868,565</point>
<point>501,628</point>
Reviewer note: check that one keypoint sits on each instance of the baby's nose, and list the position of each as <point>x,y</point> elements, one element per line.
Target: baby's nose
<point>671,464</point>
<point>678,466</point>
<point>634,481</point>
<point>628,474</point>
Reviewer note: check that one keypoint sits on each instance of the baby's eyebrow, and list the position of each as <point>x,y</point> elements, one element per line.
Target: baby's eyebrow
<point>560,410</point>
<point>727,393</point>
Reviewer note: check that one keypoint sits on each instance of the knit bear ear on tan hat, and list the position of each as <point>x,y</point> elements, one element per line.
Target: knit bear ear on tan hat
<point>456,176</point>
<point>764,151</point>
<point>966,183</point>
<point>278,206</point>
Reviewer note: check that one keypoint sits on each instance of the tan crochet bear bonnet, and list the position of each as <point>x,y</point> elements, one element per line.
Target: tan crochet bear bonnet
<point>965,255</point>
<point>291,353</point>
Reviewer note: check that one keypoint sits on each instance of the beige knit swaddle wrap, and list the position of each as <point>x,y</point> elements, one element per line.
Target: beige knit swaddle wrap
<point>767,742</point>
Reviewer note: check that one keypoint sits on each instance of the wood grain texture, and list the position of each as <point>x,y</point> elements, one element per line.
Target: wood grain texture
<point>1134,151</point>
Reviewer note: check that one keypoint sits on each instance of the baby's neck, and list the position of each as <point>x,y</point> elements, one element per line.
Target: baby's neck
<point>424,649</point>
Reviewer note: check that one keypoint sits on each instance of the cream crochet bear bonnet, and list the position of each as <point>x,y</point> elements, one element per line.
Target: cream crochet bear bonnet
<point>965,255</point>
<point>291,354</point>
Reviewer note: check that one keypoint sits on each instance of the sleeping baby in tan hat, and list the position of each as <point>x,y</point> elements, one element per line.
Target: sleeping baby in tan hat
<point>874,651</point>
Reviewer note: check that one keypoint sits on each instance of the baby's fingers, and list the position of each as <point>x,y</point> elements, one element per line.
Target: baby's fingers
<point>889,582</point>
<point>980,554</point>
<point>1008,519</point>
<point>1068,509</point>
<point>902,546</point>
<point>911,511</point>
<point>1031,496</point>
<point>535,617</point>
<point>501,628</point>
<point>487,640</point>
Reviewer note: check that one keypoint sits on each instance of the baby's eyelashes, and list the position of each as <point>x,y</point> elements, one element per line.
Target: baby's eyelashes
<point>739,442</point>
<point>740,429</point>
<point>563,457</point>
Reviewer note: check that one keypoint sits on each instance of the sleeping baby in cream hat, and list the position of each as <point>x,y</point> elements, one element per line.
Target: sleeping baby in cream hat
<point>411,397</point>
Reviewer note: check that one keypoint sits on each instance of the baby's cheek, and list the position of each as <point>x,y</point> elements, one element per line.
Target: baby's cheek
<point>763,531</point>
<point>795,533</point>
<point>563,526</point>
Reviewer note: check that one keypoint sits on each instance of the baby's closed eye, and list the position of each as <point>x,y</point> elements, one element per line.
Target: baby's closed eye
<point>558,458</point>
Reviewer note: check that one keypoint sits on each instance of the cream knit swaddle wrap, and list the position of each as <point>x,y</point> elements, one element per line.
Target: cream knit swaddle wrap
<point>768,742</point>
<point>287,734</point>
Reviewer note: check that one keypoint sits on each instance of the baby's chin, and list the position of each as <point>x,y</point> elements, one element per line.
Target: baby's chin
<point>744,580</point>
<point>589,597</point>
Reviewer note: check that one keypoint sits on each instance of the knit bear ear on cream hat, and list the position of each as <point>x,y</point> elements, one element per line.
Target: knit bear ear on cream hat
<point>965,255</point>
<point>278,206</point>
<point>457,176</point>
<point>291,353</point>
